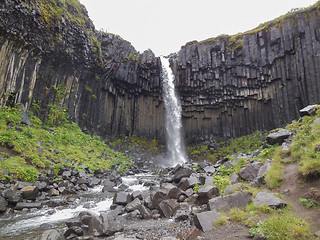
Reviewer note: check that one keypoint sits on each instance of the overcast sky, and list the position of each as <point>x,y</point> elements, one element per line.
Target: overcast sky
<point>165,25</point>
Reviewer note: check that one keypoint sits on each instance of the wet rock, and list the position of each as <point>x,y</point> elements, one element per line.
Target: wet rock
<point>66,174</point>
<point>53,192</point>
<point>168,207</point>
<point>30,192</point>
<point>117,211</point>
<point>249,173</point>
<point>205,220</point>
<point>133,205</point>
<point>189,234</point>
<point>3,204</point>
<point>12,196</point>
<point>76,230</point>
<point>181,172</point>
<point>278,137</point>
<point>225,203</point>
<point>51,235</point>
<point>41,185</point>
<point>104,225</point>
<point>92,182</point>
<point>108,186</point>
<point>122,198</point>
<point>137,194</point>
<point>263,198</point>
<point>149,203</point>
<point>308,110</point>
<point>22,205</point>
<point>207,192</point>
<point>189,182</point>
<point>74,222</point>
<point>20,185</point>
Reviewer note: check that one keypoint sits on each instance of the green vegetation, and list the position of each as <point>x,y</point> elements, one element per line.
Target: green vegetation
<point>135,142</point>
<point>284,226</point>
<point>224,149</point>
<point>64,140</point>
<point>308,203</point>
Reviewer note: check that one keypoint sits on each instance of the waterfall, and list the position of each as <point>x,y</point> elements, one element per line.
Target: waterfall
<point>175,145</point>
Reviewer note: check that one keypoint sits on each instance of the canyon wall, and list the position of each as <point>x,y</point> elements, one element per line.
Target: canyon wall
<point>51,56</point>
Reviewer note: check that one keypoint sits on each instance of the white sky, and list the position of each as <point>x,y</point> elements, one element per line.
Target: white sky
<point>165,25</point>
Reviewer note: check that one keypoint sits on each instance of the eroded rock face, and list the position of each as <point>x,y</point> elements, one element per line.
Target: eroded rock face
<point>228,86</point>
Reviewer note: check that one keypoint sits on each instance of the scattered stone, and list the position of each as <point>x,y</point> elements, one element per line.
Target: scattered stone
<point>168,207</point>
<point>225,203</point>
<point>158,197</point>
<point>66,174</point>
<point>210,169</point>
<point>25,119</point>
<point>22,205</point>
<point>189,234</point>
<point>133,205</point>
<point>278,137</point>
<point>249,173</point>
<point>108,186</point>
<point>263,198</point>
<point>3,204</point>
<point>207,192</point>
<point>53,192</point>
<point>233,177</point>
<point>12,196</point>
<point>104,225</point>
<point>122,198</point>
<point>20,185</point>
<point>262,173</point>
<point>205,220</point>
<point>308,110</point>
<point>232,188</point>
<point>189,182</point>
<point>41,185</point>
<point>30,192</point>
<point>182,172</point>
<point>182,214</point>
<point>145,212</point>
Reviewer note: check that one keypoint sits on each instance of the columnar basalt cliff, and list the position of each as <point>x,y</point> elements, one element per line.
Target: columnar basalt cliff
<point>50,54</point>
<point>231,86</point>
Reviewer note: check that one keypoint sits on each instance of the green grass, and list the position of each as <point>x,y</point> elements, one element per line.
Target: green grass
<point>309,203</point>
<point>66,142</point>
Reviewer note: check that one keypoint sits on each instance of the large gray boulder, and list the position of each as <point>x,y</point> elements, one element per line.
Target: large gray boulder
<point>262,173</point>
<point>263,198</point>
<point>207,192</point>
<point>189,182</point>
<point>250,172</point>
<point>181,172</point>
<point>134,205</point>
<point>168,207</point>
<point>145,212</point>
<point>104,225</point>
<point>3,204</point>
<point>30,192</point>
<point>308,110</point>
<point>225,203</point>
<point>122,198</point>
<point>22,205</point>
<point>278,137</point>
<point>205,220</point>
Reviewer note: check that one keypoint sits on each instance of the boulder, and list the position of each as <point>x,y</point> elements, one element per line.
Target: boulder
<point>12,196</point>
<point>158,197</point>
<point>189,234</point>
<point>262,173</point>
<point>205,220</point>
<point>22,205</point>
<point>30,192</point>
<point>263,198</point>
<point>278,137</point>
<point>210,169</point>
<point>122,198</point>
<point>133,205</point>
<point>207,192</point>
<point>174,193</point>
<point>181,172</point>
<point>66,174</point>
<point>189,182</point>
<point>145,212</point>
<point>19,185</point>
<point>53,192</point>
<point>250,172</point>
<point>308,110</point>
<point>225,203</point>
<point>3,204</point>
<point>182,214</point>
<point>233,187</point>
<point>233,177</point>
<point>41,185</point>
<point>104,225</point>
<point>108,186</point>
<point>51,234</point>
<point>168,207</point>
<point>25,119</point>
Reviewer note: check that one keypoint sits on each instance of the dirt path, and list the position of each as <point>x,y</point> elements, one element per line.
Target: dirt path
<point>293,190</point>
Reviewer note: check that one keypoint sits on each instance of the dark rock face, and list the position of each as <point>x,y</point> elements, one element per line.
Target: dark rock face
<point>228,86</point>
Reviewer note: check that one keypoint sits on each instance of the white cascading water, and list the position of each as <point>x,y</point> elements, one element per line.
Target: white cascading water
<point>175,145</point>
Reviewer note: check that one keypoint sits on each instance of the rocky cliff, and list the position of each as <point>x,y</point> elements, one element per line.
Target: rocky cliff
<point>51,56</point>
<point>233,85</point>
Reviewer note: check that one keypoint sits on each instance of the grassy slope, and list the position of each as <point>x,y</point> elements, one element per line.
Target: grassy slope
<point>38,148</point>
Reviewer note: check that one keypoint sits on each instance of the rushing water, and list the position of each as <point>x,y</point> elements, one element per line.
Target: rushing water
<point>175,145</point>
